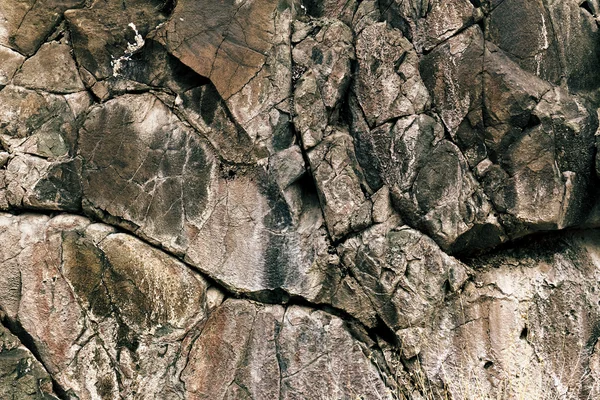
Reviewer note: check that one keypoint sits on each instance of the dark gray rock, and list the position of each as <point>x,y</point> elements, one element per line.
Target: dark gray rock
<point>22,376</point>
<point>556,41</point>
<point>107,34</point>
<point>42,124</point>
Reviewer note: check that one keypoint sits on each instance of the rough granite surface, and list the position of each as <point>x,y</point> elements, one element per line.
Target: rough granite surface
<point>299,199</point>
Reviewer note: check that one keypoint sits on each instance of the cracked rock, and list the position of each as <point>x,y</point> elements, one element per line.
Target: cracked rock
<point>22,375</point>
<point>25,25</point>
<point>271,352</point>
<point>299,199</point>
<point>345,206</point>
<point>512,324</point>
<point>404,273</point>
<point>388,83</point>
<point>51,69</point>
<point>327,60</point>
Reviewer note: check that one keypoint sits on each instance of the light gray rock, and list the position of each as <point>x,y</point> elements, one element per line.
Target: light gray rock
<point>388,83</point>
<point>299,199</point>
<point>521,316</point>
<point>326,59</point>
<point>404,273</point>
<point>98,313</point>
<point>429,23</point>
<point>345,206</point>
<point>33,182</point>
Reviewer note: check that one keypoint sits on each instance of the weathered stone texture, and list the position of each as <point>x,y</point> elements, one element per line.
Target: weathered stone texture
<point>299,199</point>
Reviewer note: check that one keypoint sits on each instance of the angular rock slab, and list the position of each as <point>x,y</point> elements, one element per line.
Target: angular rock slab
<point>36,183</point>
<point>226,42</point>
<point>432,186</point>
<point>553,159</point>
<point>42,124</point>
<point>533,142</point>
<point>553,40</point>
<point>338,179</point>
<point>526,31</point>
<point>388,83</point>
<point>150,173</point>
<point>106,312</point>
<point>429,23</point>
<point>530,310</point>
<point>452,72</point>
<point>540,143</point>
<point>11,61</point>
<point>25,25</point>
<point>403,272</point>
<point>326,61</point>
<point>252,351</point>
<point>51,69</point>
<point>107,34</point>
<point>39,131</point>
<point>244,49</point>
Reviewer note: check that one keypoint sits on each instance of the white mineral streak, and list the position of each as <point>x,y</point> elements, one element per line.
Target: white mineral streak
<point>132,48</point>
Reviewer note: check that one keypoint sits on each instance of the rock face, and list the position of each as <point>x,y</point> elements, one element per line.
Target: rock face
<point>293,199</point>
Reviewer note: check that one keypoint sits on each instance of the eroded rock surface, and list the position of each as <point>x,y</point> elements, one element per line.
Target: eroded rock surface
<point>298,199</point>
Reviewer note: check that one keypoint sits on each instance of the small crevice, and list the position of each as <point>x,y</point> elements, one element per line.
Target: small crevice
<point>586,5</point>
<point>167,7</point>
<point>524,333</point>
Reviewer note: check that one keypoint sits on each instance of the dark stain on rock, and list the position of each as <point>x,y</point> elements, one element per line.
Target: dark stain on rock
<point>196,179</point>
<point>317,56</point>
<point>209,100</point>
<point>62,186</point>
<point>83,266</point>
<point>283,135</point>
<point>277,221</point>
<point>277,261</point>
<point>314,8</point>
<point>105,387</point>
